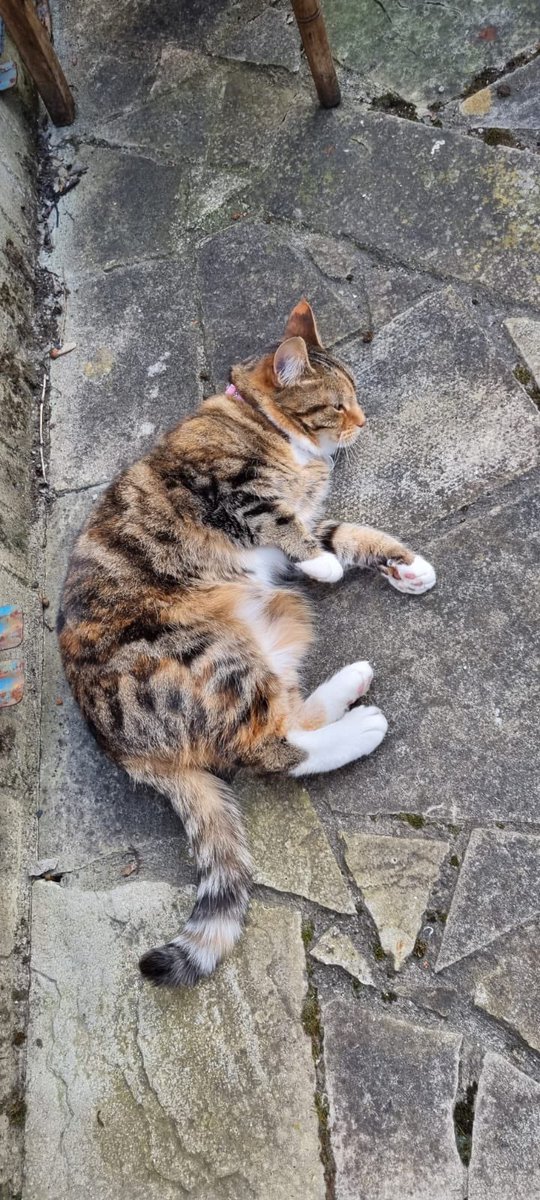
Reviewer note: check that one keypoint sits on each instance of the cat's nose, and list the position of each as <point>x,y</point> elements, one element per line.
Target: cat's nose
<point>360,419</point>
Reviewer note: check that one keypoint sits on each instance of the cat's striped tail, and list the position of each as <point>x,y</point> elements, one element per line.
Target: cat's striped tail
<point>214,827</point>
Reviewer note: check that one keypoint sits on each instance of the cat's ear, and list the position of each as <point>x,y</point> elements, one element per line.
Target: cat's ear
<point>291,362</point>
<point>302,323</point>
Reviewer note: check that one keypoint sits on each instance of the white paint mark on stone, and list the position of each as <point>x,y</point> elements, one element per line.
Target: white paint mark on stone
<point>159,367</point>
<point>437,146</point>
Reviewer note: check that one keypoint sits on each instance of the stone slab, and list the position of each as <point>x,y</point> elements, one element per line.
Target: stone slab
<point>337,949</point>
<point>508,987</point>
<point>251,278</point>
<point>511,103</point>
<point>267,40</point>
<point>198,110</point>
<point>291,852</point>
<point>427,52</point>
<point>126,207</point>
<point>498,889</point>
<point>505,1164</point>
<point>429,198</point>
<point>144,1093</point>
<point>395,876</point>
<point>133,374</point>
<point>525,334</point>
<point>391,1087</point>
<point>437,399</point>
<point>455,672</point>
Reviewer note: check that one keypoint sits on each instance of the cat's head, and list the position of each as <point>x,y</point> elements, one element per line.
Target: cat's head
<point>303,388</point>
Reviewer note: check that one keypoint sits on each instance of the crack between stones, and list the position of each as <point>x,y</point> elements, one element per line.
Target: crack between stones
<point>313,1027</point>
<point>463,1113</point>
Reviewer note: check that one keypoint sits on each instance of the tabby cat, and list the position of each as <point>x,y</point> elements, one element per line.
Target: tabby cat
<point>182,637</point>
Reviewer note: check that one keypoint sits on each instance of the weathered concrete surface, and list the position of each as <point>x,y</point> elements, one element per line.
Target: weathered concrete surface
<point>498,889</point>
<point>454,669</point>
<point>509,986</point>
<point>446,419</point>
<point>505,1164</point>
<point>427,52</point>
<point>290,849</point>
<point>525,334</point>
<point>336,949</point>
<point>391,1086</point>
<point>448,205</point>
<point>395,876</point>
<point>134,372</point>
<point>157,1094</point>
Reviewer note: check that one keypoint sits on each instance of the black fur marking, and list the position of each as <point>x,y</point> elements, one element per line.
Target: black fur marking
<point>60,622</point>
<point>283,520</point>
<point>215,903</point>
<point>145,699</point>
<point>245,475</point>
<point>139,630</point>
<point>197,648</point>
<point>257,510</point>
<point>116,713</point>
<point>327,538</point>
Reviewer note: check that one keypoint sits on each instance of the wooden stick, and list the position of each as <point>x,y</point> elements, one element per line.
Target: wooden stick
<point>36,50</point>
<point>312,28</point>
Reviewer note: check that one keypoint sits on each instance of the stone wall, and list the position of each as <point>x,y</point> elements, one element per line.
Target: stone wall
<point>19,554</point>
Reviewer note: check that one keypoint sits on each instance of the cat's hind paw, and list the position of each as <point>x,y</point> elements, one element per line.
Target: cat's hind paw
<point>411,578</point>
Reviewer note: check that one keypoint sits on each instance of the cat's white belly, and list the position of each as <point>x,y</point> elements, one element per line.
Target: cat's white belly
<point>281,641</point>
<point>266,564</point>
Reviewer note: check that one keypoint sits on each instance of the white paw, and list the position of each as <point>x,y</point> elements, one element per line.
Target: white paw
<point>366,728</point>
<point>342,690</point>
<point>351,683</point>
<point>413,578</point>
<point>326,568</point>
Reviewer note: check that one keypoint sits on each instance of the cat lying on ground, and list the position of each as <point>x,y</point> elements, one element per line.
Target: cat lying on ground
<point>182,643</point>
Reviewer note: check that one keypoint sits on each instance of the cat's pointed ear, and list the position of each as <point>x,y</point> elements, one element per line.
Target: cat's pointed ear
<point>291,362</point>
<point>302,323</point>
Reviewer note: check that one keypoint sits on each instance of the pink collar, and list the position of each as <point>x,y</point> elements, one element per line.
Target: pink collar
<point>231,390</point>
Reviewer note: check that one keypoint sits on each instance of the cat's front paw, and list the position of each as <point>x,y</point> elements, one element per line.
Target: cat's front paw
<point>412,578</point>
<point>325,568</point>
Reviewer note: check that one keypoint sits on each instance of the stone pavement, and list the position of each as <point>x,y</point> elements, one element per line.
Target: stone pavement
<point>377,1034</point>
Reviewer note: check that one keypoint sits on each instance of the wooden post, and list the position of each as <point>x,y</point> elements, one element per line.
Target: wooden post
<point>312,28</point>
<point>36,51</point>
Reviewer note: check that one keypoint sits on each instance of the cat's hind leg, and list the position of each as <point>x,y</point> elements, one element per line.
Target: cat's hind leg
<point>335,696</point>
<point>357,734</point>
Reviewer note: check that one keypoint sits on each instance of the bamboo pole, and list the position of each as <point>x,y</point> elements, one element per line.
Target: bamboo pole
<point>312,28</point>
<point>36,50</point>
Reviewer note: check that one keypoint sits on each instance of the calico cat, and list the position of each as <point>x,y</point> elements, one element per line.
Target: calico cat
<point>181,637</point>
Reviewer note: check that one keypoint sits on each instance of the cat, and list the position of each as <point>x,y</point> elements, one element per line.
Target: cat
<point>181,636</point>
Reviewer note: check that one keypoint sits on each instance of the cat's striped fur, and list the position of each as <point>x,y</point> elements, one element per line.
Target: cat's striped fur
<point>179,641</point>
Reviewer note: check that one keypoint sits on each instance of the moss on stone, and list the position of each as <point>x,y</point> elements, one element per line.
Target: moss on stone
<point>414,819</point>
<point>526,379</point>
<point>308,933</point>
<point>463,1123</point>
